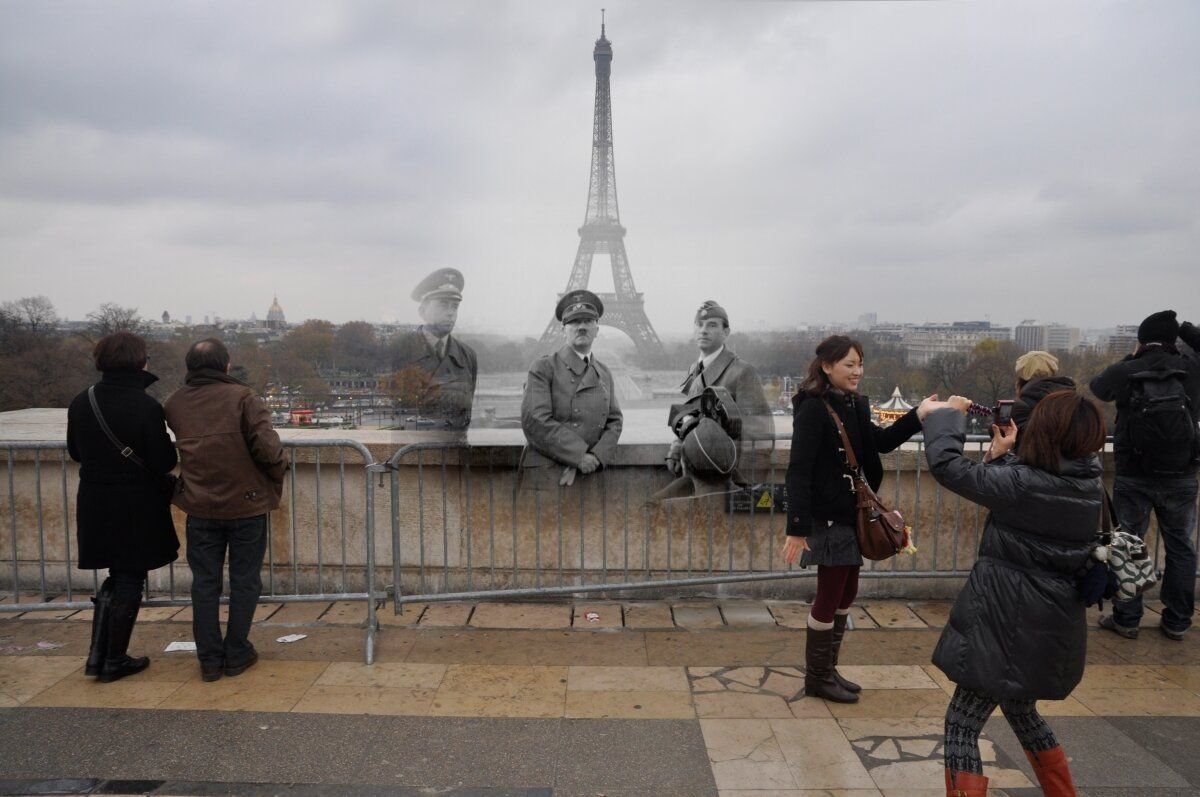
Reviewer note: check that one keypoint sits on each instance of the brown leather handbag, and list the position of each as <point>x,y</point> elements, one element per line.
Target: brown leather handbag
<point>880,531</point>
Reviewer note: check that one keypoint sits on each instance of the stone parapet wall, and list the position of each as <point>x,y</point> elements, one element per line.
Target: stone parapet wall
<point>463,522</point>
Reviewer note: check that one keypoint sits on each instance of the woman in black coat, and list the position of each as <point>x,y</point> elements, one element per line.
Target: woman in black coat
<point>1017,633</point>
<point>821,499</point>
<point>123,514</point>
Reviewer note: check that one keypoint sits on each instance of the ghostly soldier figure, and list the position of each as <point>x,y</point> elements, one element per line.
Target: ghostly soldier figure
<point>719,367</point>
<point>569,411</point>
<point>436,370</point>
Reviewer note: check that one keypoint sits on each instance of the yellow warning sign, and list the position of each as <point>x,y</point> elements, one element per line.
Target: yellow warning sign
<point>765,501</point>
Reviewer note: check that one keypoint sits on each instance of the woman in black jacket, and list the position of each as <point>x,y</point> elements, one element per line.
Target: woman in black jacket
<point>821,499</point>
<point>122,514</point>
<point>1017,633</point>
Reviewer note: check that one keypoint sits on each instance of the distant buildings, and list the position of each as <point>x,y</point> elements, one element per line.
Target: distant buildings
<point>1031,336</point>
<point>925,342</point>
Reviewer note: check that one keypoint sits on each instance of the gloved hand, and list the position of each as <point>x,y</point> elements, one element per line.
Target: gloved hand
<point>1093,583</point>
<point>675,458</point>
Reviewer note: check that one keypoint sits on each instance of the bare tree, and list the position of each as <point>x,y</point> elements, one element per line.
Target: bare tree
<point>35,313</point>
<point>111,317</point>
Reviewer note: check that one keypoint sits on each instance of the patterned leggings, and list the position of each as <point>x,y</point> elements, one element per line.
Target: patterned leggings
<point>968,712</point>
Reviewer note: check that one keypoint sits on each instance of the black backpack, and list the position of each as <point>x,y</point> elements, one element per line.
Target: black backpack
<point>1161,431</point>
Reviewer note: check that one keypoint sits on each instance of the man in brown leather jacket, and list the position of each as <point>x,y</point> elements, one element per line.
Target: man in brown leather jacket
<point>232,467</point>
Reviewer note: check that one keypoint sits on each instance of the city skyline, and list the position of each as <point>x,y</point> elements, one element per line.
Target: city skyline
<point>818,161</point>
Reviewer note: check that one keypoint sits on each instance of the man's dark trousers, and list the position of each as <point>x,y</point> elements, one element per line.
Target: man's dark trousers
<point>207,540</point>
<point>1174,503</point>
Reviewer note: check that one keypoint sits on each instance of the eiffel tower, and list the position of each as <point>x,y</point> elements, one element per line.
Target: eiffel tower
<point>602,230</point>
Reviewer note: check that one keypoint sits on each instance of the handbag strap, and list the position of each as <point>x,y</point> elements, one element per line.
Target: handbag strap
<point>1108,515</point>
<point>851,460</point>
<point>125,450</point>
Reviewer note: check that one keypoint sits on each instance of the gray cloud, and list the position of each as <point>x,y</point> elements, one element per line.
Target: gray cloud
<point>803,162</point>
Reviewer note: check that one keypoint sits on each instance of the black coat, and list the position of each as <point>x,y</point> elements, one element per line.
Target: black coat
<point>816,484</point>
<point>1113,385</point>
<point>1018,629</point>
<point>122,515</point>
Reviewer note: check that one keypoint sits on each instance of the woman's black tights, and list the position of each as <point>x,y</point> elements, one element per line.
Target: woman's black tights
<point>968,712</point>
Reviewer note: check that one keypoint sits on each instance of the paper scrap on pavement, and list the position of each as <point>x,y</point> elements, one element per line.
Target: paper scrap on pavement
<point>50,645</point>
<point>188,645</point>
<point>291,638</point>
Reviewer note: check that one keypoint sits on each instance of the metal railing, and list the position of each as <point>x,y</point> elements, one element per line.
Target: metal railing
<point>463,528</point>
<point>309,559</point>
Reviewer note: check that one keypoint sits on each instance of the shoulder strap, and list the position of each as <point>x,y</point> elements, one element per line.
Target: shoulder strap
<point>125,450</point>
<point>851,460</point>
<point>1108,515</point>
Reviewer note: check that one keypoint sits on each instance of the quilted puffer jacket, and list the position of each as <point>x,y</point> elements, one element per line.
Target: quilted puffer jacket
<point>1018,628</point>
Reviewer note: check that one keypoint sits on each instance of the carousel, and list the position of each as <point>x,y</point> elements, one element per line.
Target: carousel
<point>893,409</point>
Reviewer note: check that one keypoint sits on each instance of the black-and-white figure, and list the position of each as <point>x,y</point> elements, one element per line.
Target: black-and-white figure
<point>436,370</point>
<point>719,367</point>
<point>569,411</point>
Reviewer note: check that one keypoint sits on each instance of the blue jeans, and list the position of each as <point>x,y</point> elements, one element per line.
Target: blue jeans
<point>207,539</point>
<point>1174,505</point>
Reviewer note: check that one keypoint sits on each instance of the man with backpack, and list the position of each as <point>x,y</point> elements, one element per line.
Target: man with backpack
<point>1157,449</point>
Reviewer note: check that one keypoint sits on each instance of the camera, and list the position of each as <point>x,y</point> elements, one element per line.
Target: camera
<point>1002,412</point>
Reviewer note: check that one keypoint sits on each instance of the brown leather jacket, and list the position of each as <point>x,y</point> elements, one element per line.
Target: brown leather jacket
<point>230,459</point>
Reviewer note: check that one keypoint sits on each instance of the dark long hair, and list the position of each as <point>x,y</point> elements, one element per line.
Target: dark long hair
<point>829,351</point>
<point>1063,425</point>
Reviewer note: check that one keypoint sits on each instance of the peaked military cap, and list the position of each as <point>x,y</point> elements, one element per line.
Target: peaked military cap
<point>710,309</point>
<point>445,283</point>
<point>579,304</point>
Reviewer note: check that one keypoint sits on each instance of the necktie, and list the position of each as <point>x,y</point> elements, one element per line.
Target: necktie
<point>700,373</point>
<point>441,348</point>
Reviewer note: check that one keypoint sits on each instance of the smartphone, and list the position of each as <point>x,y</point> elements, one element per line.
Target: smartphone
<point>1002,412</point>
<point>805,559</point>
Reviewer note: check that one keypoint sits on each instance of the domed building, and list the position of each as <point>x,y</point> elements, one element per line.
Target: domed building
<point>275,319</point>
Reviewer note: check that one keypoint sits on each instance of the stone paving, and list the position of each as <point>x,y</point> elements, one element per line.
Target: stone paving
<point>688,698</point>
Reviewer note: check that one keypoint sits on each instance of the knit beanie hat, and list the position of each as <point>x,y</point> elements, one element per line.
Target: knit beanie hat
<point>1036,365</point>
<point>1160,327</point>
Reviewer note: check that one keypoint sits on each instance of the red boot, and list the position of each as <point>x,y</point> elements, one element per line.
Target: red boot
<point>1053,774</point>
<point>965,784</point>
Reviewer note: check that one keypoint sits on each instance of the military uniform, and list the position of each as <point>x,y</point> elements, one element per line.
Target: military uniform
<point>447,363</point>
<point>569,408</point>
<point>737,376</point>
<point>454,374</point>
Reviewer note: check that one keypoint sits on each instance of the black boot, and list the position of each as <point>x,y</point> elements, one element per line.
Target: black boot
<point>818,668</point>
<point>122,615</point>
<point>99,647</point>
<point>839,631</point>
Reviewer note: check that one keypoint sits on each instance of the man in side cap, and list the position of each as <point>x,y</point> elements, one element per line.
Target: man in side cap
<point>569,411</point>
<point>718,366</point>
<point>1157,450</point>
<point>439,368</point>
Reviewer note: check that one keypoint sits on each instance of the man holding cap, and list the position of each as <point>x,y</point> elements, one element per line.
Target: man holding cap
<point>447,366</point>
<point>1156,448</point>
<point>569,411</point>
<point>717,366</point>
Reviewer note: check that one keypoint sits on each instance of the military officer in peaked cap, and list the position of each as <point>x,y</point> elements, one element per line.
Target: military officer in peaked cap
<point>718,366</point>
<point>569,411</point>
<point>448,364</point>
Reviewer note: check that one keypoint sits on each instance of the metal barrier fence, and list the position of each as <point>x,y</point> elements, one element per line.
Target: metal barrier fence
<point>464,529</point>
<point>332,560</point>
<point>484,536</point>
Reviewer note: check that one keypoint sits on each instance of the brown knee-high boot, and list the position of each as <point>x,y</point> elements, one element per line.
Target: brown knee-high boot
<point>965,784</point>
<point>818,668</point>
<point>1053,774</point>
<point>839,633</point>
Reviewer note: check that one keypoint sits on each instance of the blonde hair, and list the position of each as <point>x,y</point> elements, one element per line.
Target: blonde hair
<point>1036,365</point>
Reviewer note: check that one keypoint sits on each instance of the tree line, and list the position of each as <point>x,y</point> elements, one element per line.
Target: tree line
<point>41,366</point>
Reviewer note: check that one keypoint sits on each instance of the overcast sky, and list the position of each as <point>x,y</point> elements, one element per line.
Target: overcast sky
<point>799,162</point>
